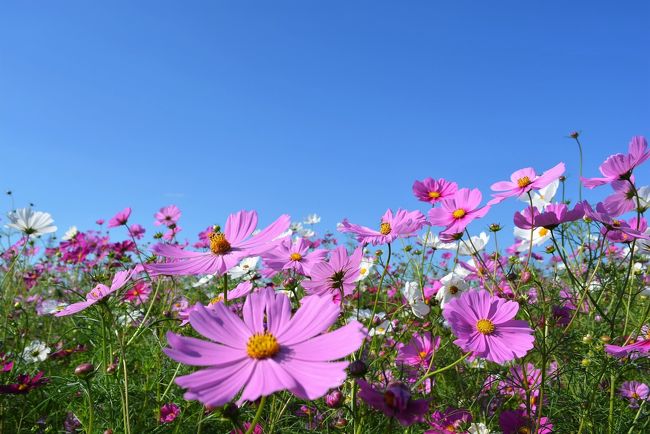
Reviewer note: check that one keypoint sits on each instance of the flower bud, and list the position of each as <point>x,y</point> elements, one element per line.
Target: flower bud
<point>357,368</point>
<point>334,399</point>
<point>84,370</point>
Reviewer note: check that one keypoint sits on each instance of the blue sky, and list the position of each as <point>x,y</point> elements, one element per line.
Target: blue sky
<point>290,106</point>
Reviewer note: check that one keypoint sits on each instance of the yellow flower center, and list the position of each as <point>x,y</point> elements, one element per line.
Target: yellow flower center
<point>616,223</point>
<point>523,430</point>
<point>218,243</point>
<point>459,213</point>
<point>262,346</point>
<point>363,271</point>
<point>635,395</point>
<point>423,354</point>
<point>217,299</point>
<point>434,194</point>
<point>295,257</point>
<point>524,182</point>
<point>485,326</point>
<point>384,228</point>
<point>543,232</point>
<point>22,386</point>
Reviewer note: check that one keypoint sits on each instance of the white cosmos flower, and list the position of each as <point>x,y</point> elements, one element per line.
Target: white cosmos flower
<point>411,291</point>
<point>203,280</point>
<point>306,233</point>
<point>453,285</point>
<point>644,197</point>
<point>477,244</point>
<point>433,242</point>
<point>30,222</point>
<point>540,236</point>
<point>246,266</point>
<point>380,330</point>
<point>35,352</point>
<point>70,233</point>
<point>543,196</point>
<point>478,428</point>
<point>312,219</point>
<point>365,267</point>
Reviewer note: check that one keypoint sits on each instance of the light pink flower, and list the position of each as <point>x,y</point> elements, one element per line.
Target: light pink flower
<point>458,211</point>
<point>401,224</point>
<point>99,292</point>
<point>120,219</point>
<point>524,180</point>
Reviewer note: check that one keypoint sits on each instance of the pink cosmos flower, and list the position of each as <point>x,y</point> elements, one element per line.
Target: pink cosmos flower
<point>458,211</point>
<point>136,231</point>
<point>169,412</point>
<point>516,421</point>
<point>241,290</point>
<point>138,294</point>
<point>294,255</point>
<point>120,218</point>
<point>98,293</point>
<point>642,347</point>
<point>337,277</point>
<point>431,191</point>
<point>167,216</point>
<point>622,200</point>
<point>610,223</point>
<point>170,234</point>
<point>395,402</point>
<point>226,248</point>
<point>419,351</point>
<point>634,392</point>
<point>484,325</point>
<point>24,384</point>
<point>524,180</point>
<point>402,224</point>
<point>450,421</point>
<point>269,351</point>
<point>554,214</point>
<point>619,167</point>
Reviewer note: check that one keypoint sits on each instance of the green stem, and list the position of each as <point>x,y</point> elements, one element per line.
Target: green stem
<point>258,414</point>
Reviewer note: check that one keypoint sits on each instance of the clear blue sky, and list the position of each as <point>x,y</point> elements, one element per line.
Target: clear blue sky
<point>332,107</point>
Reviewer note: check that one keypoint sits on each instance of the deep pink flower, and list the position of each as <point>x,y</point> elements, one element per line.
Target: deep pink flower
<point>524,180</point>
<point>516,421</point>
<point>485,325</point>
<point>419,351</point>
<point>450,421</point>
<point>269,351</point>
<point>554,214</point>
<point>294,255</point>
<point>431,191</point>
<point>138,294</point>
<point>395,402</point>
<point>458,211</point>
<point>226,248</point>
<point>619,167</point>
<point>120,218</point>
<point>337,277</point>
<point>641,347</point>
<point>99,292</point>
<point>402,224</point>
<point>610,223</point>
<point>167,216</point>
<point>6,365</point>
<point>24,384</point>
<point>136,231</point>
<point>169,412</point>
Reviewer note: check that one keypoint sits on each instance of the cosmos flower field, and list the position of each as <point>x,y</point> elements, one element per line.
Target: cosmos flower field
<point>426,320</point>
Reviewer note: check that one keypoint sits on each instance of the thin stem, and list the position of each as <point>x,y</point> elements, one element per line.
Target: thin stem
<point>258,414</point>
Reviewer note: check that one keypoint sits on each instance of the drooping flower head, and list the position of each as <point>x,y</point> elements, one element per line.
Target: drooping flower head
<point>337,277</point>
<point>610,223</point>
<point>395,401</point>
<point>485,325</point>
<point>524,180</point>
<point>458,211</point>
<point>433,191</point>
<point>99,292</point>
<point>270,350</point>
<point>401,224</point>
<point>227,248</point>
<point>619,167</point>
<point>622,200</point>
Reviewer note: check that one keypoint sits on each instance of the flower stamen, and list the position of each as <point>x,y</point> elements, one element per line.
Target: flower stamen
<point>262,346</point>
<point>485,326</point>
<point>218,243</point>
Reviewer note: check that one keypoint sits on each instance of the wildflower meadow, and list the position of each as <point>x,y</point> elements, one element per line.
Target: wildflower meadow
<point>428,320</point>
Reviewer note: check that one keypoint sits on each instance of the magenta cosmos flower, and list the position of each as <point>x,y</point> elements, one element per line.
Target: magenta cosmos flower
<point>226,248</point>
<point>554,214</point>
<point>619,167</point>
<point>337,277</point>
<point>622,200</point>
<point>99,292</point>
<point>167,216</point>
<point>120,218</point>
<point>294,255</point>
<point>395,402</point>
<point>642,347</point>
<point>517,422</point>
<point>524,180</point>
<point>419,351</point>
<point>458,211</point>
<point>169,412</point>
<point>268,351</point>
<point>24,384</point>
<point>402,224</point>
<point>431,191</point>
<point>484,325</point>
<point>610,223</point>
